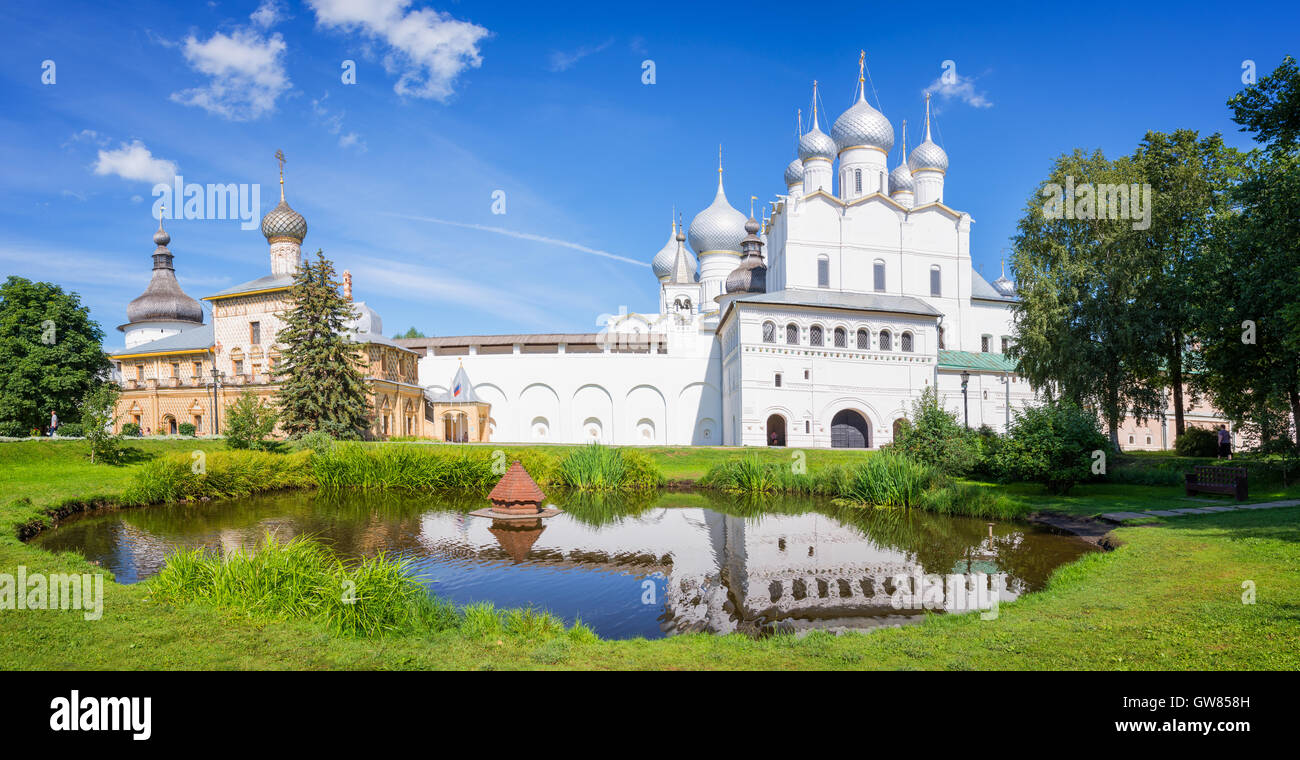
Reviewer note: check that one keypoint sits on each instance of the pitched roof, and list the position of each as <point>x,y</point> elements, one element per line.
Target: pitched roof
<point>834,299</point>
<point>459,381</point>
<point>516,487</point>
<point>269,282</point>
<point>981,289</point>
<point>971,360</point>
<point>199,338</point>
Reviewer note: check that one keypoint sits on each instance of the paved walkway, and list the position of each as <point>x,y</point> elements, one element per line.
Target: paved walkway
<point>1122,516</point>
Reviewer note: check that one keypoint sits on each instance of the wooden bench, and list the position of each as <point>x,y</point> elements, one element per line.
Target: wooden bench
<point>1211,479</point>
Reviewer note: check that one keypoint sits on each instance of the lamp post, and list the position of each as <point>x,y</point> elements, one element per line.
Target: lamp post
<point>965,401</point>
<point>216,400</point>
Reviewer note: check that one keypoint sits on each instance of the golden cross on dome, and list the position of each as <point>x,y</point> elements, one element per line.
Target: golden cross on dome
<point>279,156</point>
<point>862,63</point>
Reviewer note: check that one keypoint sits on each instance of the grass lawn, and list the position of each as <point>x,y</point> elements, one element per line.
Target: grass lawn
<point>1170,597</point>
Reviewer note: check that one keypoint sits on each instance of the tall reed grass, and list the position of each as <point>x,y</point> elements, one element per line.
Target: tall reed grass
<point>403,467</point>
<point>217,474</point>
<point>302,579</point>
<point>602,468</point>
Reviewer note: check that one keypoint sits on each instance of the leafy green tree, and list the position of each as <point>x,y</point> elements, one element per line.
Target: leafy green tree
<point>322,387</point>
<point>933,435</point>
<point>50,354</point>
<point>410,333</point>
<point>1053,443</point>
<point>249,422</point>
<point>1249,327</point>
<point>1084,331</point>
<point>98,416</point>
<point>1190,180</point>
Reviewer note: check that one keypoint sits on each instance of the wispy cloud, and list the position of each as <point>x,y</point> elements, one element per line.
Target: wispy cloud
<point>333,122</point>
<point>136,163</point>
<point>426,49</point>
<point>404,281</point>
<point>38,261</point>
<point>245,69</point>
<point>563,61</point>
<point>951,85</point>
<point>524,236</point>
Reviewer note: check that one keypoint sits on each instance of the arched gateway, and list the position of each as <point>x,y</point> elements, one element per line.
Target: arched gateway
<point>849,430</point>
<point>776,430</point>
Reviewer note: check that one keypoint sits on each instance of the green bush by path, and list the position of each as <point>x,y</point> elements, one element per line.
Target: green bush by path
<point>933,435</point>
<point>1197,442</point>
<point>1053,443</point>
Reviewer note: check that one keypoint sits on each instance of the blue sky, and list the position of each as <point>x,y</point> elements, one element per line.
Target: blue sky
<point>544,102</point>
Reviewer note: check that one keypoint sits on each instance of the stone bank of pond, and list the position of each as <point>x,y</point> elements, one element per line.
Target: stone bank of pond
<point>627,565</point>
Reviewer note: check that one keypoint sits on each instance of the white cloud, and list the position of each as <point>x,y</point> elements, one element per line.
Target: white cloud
<point>136,163</point>
<point>419,284</point>
<point>562,61</point>
<point>333,122</point>
<point>427,49</point>
<point>268,14</point>
<point>953,85</point>
<point>246,71</point>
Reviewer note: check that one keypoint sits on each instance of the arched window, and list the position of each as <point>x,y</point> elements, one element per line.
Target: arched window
<point>864,340</point>
<point>823,272</point>
<point>886,341</point>
<point>841,337</point>
<point>769,332</point>
<point>936,281</point>
<point>905,343</point>
<point>857,180</point>
<point>878,274</point>
<point>815,335</point>
<point>941,345</point>
<point>792,334</point>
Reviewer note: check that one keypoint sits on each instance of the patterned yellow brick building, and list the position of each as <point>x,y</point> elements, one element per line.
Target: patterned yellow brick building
<point>167,368</point>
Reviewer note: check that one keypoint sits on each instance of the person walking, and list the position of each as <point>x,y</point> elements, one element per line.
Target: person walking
<point>1225,443</point>
<point>54,423</point>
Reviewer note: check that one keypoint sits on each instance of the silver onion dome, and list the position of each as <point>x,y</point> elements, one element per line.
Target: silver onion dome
<point>862,126</point>
<point>1003,284</point>
<point>928,155</point>
<point>283,221</point>
<point>816,144</point>
<point>794,173</point>
<point>718,227</point>
<point>666,259</point>
<point>163,300</point>
<point>900,180</point>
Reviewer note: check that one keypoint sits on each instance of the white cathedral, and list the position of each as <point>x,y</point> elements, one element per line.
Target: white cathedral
<point>816,327</point>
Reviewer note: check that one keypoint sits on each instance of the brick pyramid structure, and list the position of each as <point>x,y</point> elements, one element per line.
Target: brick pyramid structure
<point>517,493</point>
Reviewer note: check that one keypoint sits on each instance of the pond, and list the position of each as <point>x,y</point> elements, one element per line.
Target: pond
<point>627,566</point>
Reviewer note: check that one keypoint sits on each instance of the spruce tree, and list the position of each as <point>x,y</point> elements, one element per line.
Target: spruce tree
<point>322,387</point>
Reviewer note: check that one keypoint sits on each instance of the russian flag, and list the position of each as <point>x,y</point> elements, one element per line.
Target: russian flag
<point>456,391</point>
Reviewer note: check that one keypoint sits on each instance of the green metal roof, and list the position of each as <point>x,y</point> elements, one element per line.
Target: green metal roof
<point>981,362</point>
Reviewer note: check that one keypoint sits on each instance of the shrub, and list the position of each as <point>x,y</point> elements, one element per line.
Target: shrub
<point>1197,442</point>
<point>70,429</point>
<point>131,430</point>
<point>1052,444</point>
<point>13,429</point>
<point>98,415</point>
<point>249,423</point>
<point>317,440</point>
<point>934,436</point>
<point>186,428</point>
<point>987,444</point>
